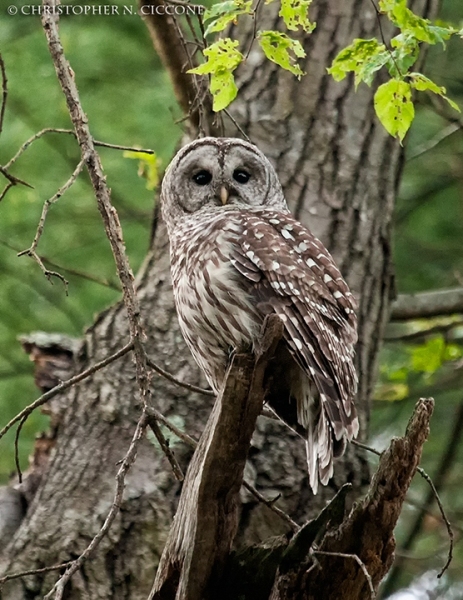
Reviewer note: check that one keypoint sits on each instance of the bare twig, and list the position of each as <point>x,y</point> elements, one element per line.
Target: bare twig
<point>5,190</point>
<point>254,28</point>
<point>47,130</point>
<point>21,574</point>
<point>32,139</point>
<point>171,51</point>
<point>64,386</point>
<point>4,92</point>
<point>16,448</point>
<point>168,376</point>
<point>448,525</point>
<point>119,147</point>
<point>154,425</point>
<point>383,38</point>
<point>46,207</point>
<point>196,7</point>
<point>237,125</point>
<point>360,563</point>
<point>104,282</point>
<point>175,430</point>
<point>58,589</point>
<point>13,179</point>
<point>271,504</point>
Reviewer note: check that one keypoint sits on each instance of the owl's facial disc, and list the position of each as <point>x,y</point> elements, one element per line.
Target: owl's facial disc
<point>218,174</point>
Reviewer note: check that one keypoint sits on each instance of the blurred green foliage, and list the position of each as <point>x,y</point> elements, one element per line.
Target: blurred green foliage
<point>129,101</point>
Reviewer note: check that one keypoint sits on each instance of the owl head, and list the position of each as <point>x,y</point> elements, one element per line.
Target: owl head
<point>217,174</point>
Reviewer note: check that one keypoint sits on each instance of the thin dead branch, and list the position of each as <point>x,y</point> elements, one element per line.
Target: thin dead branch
<point>170,377</point>
<point>360,563</point>
<point>57,591</point>
<point>4,92</point>
<point>13,179</point>
<point>432,495</point>
<point>152,421</point>
<point>47,130</point>
<point>442,135</point>
<point>21,574</point>
<point>31,251</point>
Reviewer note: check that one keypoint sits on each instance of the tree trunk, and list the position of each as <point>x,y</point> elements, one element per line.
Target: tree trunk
<point>340,172</point>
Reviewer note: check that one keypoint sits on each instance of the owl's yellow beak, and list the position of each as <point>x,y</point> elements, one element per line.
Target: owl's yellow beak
<point>224,194</point>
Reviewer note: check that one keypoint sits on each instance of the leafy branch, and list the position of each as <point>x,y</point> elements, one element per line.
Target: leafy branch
<point>393,99</point>
<point>364,58</point>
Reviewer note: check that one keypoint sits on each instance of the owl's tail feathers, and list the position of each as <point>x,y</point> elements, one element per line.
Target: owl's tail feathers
<point>323,445</point>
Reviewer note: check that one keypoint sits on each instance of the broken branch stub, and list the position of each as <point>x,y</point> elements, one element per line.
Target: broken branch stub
<point>365,539</point>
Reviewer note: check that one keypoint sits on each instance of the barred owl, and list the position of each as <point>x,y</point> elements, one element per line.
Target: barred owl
<point>238,255</point>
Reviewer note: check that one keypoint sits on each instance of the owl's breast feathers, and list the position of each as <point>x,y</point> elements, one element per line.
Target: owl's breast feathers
<point>236,266</point>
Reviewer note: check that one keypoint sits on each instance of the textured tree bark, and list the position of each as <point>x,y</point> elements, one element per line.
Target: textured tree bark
<point>340,172</point>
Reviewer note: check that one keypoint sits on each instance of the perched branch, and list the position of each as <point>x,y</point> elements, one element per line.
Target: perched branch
<point>427,304</point>
<point>207,517</point>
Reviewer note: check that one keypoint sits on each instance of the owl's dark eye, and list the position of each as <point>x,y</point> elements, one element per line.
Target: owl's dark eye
<point>241,176</point>
<point>202,177</point>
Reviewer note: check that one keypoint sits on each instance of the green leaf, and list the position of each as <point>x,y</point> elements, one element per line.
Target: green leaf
<point>394,107</point>
<point>148,167</point>
<point>282,50</point>
<point>295,14</point>
<point>362,57</point>
<point>222,59</point>
<point>422,83</point>
<point>408,22</point>
<point>224,13</point>
<point>404,54</point>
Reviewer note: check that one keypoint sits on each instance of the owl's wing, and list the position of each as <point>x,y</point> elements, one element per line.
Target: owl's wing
<point>292,274</point>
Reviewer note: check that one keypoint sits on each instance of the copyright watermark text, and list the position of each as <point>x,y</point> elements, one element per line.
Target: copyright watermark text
<point>104,10</point>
